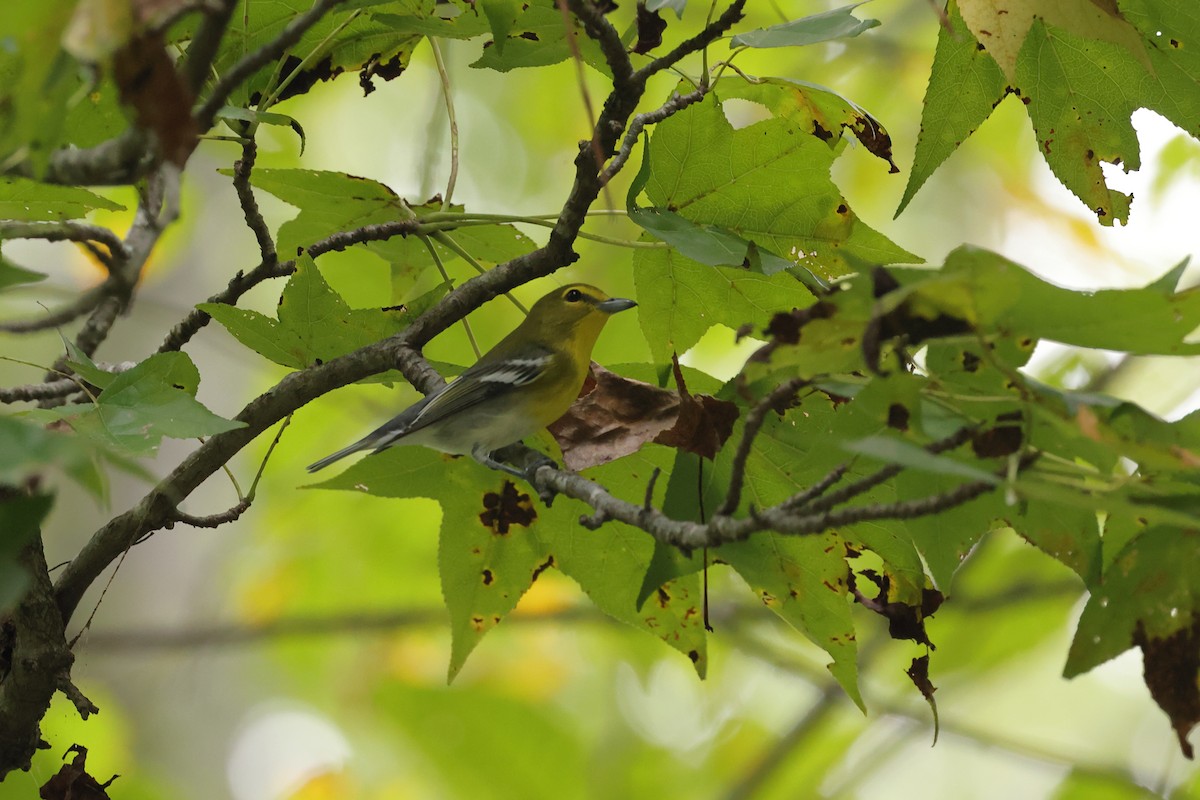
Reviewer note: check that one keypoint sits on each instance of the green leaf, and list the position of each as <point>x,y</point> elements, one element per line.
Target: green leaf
<point>1085,94</point>
<point>23,199</point>
<point>538,38</point>
<point>946,538</point>
<point>803,580</point>
<point>490,550</point>
<point>1151,591</point>
<point>329,202</point>
<point>465,25</point>
<point>765,184</point>
<point>678,6</point>
<point>345,40</point>
<point>965,84</point>
<point>262,118</point>
<point>603,561</point>
<point>501,14</point>
<point>1004,296</point>
<point>84,366</point>
<point>707,244</point>
<point>688,298</point>
<point>27,449</point>
<point>894,451</point>
<point>314,324</point>
<point>13,275</point>
<point>839,23</point>
<point>140,406</point>
<point>1066,534</point>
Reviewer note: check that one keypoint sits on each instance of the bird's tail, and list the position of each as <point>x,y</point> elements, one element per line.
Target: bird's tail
<point>365,443</point>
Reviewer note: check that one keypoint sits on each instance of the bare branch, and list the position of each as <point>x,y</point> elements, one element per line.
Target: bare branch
<point>39,391</point>
<point>598,28</point>
<point>354,623</point>
<point>82,704</point>
<point>206,42</point>
<point>212,520</point>
<point>64,231</point>
<point>676,104</point>
<point>777,397</point>
<point>254,218</point>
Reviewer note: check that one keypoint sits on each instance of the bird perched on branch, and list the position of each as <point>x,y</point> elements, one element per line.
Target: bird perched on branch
<point>524,383</point>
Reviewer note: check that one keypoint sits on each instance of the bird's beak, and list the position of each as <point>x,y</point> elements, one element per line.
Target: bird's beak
<point>615,304</point>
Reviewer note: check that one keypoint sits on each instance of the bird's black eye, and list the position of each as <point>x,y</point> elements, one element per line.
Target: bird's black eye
<point>573,296</point>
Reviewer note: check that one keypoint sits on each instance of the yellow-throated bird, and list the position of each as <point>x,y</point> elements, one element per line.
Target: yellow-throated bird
<point>520,386</point>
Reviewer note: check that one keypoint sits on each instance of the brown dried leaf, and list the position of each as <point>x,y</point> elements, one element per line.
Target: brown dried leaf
<point>918,673</point>
<point>614,416</point>
<point>72,782</point>
<point>704,422</point>
<point>650,27</point>
<point>904,621</point>
<point>1171,666</point>
<point>159,97</point>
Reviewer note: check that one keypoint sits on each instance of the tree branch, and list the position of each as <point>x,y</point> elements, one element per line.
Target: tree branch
<point>400,351</point>
<point>39,391</point>
<point>207,41</point>
<point>39,661</point>
<point>64,231</point>
<point>254,218</point>
<point>676,104</point>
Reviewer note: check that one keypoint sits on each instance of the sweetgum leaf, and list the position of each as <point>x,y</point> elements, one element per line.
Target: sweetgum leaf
<point>965,84</point>
<point>691,297</point>
<point>605,562</point>
<point>140,406</point>
<point>803,579</point>
<point>1150,598</point>
<point>315,324</point>
<point>839,23</point>
<point>765,184</point>
<point>489,552</point>
<point>23,199</point>
<point>329,202</point>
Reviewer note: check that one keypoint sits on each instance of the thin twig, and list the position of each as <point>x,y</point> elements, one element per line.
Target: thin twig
<point>868,482</point>
<point>443,238</point>
<point>784,392</point>
<point>83,304</point>
<point>676,104</point>
<point>448,94</point>
<point>801,499</point>
<point>441,268</point>
<point>214,520</point>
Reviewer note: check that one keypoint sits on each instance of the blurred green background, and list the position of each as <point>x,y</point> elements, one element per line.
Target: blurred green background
<point>301,652</point>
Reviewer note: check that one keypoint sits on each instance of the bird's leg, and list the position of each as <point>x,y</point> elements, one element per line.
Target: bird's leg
<point>485,457</point>
<point>532,459</point>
